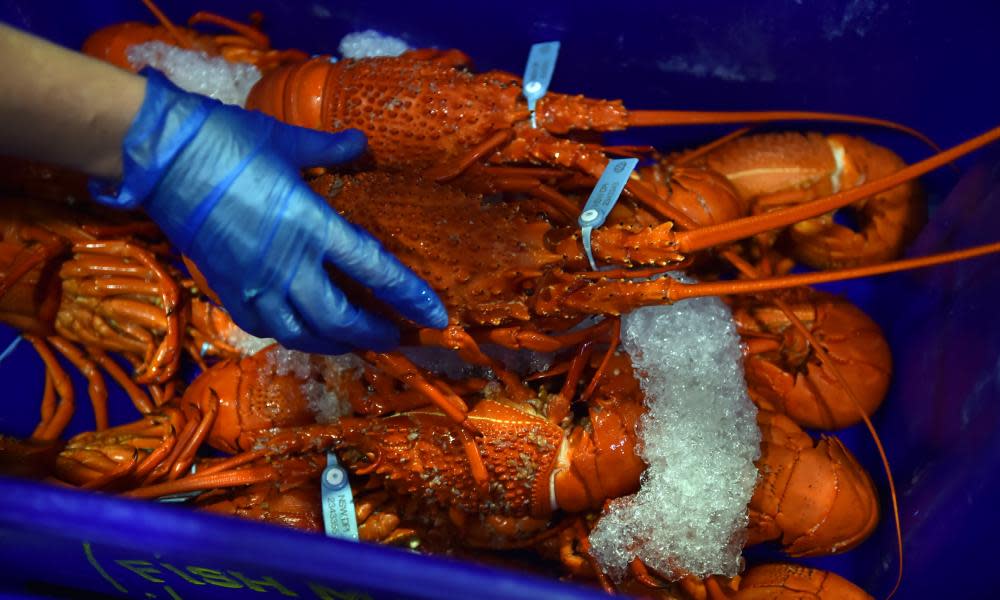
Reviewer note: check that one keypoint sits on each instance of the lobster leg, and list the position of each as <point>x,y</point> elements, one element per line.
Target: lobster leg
<point>242,473</point>
<point>53,427</point>
<point>49,246</point>
<point>210,330</point>
<point>447,172</point>
<point>455,338</point>
<point>526,338</point>
<point>558,408</point>
<point>165,360</point>
<point>246,34</point>
<point>696,153</point>
<point>181,461</point>
<point>180,36</point>
<point>139,398</point>
<point>49,399</point>
<point>96,387</point>
<point>163,394</point>
<point>401,368</point>
<point>93,456</point>
<point>375,525</point>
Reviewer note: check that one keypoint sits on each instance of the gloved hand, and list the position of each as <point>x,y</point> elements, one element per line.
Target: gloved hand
<point>224,185</point>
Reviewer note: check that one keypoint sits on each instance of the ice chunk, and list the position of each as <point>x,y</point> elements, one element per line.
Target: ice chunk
<point>699,437</point>
<point>323,378</point>
<point>365,44</point>
<point>246,343</point>
<point>284,362</point>
<point>328,400</point>
<point>197,72</point>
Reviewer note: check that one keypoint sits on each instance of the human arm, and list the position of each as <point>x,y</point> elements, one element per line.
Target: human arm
<point>224,185</point>
<point>63,107</point>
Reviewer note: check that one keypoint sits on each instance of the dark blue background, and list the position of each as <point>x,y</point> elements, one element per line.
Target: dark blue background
<point>929,65</point>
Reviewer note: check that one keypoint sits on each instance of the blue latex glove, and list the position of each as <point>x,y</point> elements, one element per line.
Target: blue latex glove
<point>224,184</point>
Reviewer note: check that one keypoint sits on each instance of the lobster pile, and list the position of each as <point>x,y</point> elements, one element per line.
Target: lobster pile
<point>461,187</point>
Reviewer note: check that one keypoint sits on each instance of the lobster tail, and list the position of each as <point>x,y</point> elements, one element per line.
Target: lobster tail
<point>765,582</point>
<point>716,235</point>
<point>803,484</point>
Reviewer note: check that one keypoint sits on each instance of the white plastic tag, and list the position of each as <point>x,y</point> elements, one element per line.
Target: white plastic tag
<point>538,73</point>
<point>339,518</point>
<point>603,198</point>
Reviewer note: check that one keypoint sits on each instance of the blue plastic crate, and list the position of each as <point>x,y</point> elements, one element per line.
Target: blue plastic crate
<point>931,69</point>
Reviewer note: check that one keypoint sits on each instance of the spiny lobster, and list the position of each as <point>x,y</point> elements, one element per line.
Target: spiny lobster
<point>525,465</point>
<point>426,117</point>
<point>227,407</point>
<point>534,336</point>
<point>499,266</point>
<point>246,43</point>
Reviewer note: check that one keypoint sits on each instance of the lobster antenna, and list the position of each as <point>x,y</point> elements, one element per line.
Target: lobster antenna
<point>654,118</point>
<point>251,33</point>
<point>715,235</point>
<point>700,151</point>
<point>183,40</point>
<point>683,291</point>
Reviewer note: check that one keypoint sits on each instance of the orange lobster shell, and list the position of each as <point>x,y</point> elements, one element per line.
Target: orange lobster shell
<point>776,170</point>
<point>783,369</point>
<point>814,496</point>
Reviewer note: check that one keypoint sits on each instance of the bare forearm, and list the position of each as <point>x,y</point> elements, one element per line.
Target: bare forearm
<point>63,107</point>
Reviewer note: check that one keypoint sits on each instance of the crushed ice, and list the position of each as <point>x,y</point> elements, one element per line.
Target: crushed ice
<point>322,377</point>
<point>700,440</point>
<point>246,343</point>
<point>194,71</point>
<point>230,83</point>
<point>364,44</point>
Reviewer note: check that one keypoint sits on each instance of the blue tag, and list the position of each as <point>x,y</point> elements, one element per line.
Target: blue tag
<point>339,518</point>
<point>10,348</point>
<point>604,197</point>
<point>538,73</point>
<point>184,496</point>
